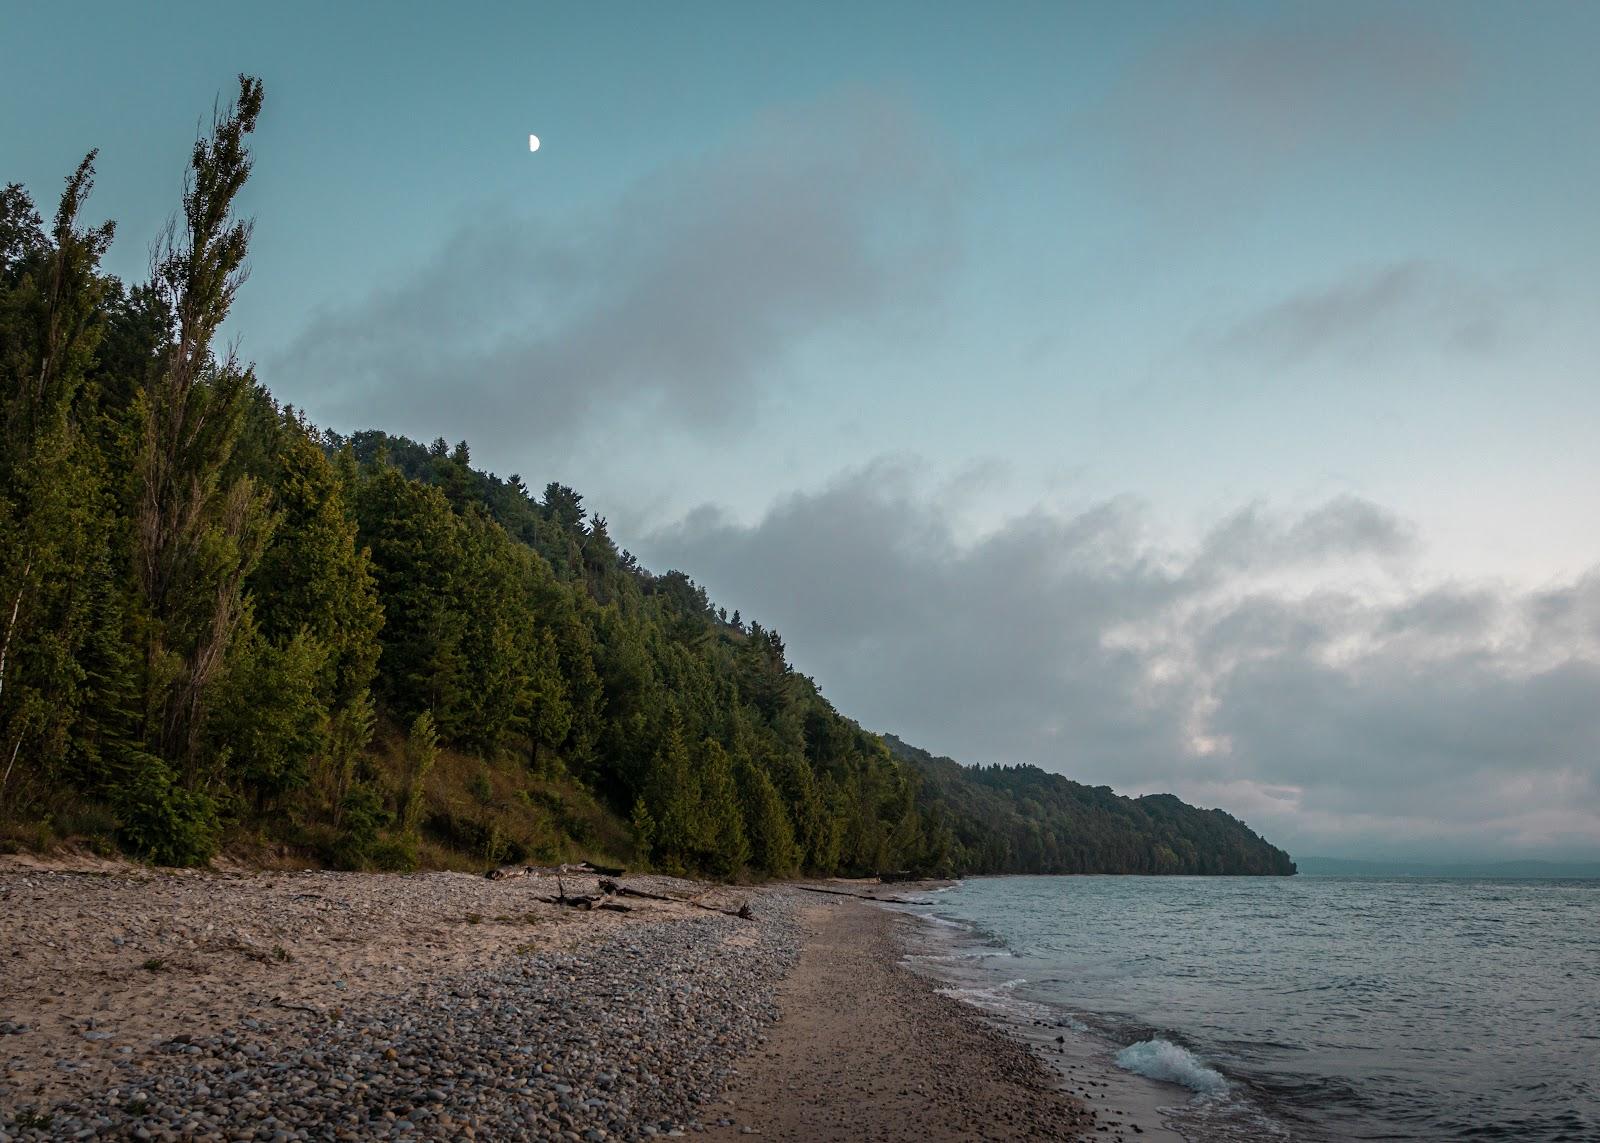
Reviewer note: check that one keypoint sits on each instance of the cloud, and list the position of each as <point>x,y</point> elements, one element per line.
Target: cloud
<point>1284,666</point>
<point>681,302</point>
<point>1215,109</point>
<point>1369,313</point>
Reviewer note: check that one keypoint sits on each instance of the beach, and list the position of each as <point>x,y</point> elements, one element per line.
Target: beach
<point>314,1005</point>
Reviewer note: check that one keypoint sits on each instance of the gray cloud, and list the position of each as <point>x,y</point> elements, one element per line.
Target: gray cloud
<point>1401,306</point>
<point>1366,716</point>
<point>686,297</point>
<point>1216,110</point>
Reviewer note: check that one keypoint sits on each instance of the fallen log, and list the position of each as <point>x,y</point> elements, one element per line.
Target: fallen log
<point>506,871</point>
<point>571,902</point>
<point>862,896</point>
<point>609,886</point>
<point>834,892</point>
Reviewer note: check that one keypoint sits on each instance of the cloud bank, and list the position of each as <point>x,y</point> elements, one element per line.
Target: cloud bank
<point>1284,667</point>
<point>682,302</point>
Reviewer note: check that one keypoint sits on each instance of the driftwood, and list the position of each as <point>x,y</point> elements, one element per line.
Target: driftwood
<point>505,872</point>
<point>835,892</point>
<point>612,887</point>
<point>861,896</point>
<point>587,901</point>
<point>743,911</point>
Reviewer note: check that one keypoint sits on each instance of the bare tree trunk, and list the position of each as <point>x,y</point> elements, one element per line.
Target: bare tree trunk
<point>6,780</point>
<point>5,653</point>
<point>11,623</point>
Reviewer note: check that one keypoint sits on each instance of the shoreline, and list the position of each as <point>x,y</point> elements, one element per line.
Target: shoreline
<point>867,1050</point>
<point>316,1005</point>
<point>1139,1106</point>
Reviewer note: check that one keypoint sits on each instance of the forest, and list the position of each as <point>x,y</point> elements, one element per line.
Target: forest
<point>223,628</point>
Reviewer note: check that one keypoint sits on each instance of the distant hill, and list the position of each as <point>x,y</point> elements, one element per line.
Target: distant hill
<point>1346,867</point>
<point>1021,819</point>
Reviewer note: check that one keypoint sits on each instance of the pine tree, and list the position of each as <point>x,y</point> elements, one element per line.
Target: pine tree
<point>674,799</point>
<point>772,848</point>
<point>546,712</point>
<point>418,564</point>
<point>726,849</point>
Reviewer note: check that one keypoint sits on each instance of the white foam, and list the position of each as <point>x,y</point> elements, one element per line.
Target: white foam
<point>987,990</point>
<point>933,920</point>
<point>1164,1060</point>
<point>945,958</point>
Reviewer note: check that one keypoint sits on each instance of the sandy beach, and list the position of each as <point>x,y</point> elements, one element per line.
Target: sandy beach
<point>312,1005</point>
<point>865,1050</point>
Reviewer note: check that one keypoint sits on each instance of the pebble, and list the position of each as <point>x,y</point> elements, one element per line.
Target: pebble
<point>625,1038</point>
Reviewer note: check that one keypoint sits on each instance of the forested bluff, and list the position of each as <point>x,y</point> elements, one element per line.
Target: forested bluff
<point>224,629</point>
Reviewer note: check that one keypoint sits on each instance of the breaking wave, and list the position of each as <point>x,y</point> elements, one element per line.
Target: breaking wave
<point>1164,1060</point>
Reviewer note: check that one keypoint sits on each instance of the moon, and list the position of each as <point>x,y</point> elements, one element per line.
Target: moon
<point>533,142</point>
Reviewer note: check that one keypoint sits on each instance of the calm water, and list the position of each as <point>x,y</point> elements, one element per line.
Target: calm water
<point>1313,1007</point>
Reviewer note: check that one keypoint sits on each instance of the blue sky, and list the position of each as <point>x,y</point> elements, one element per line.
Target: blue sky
<point>1073,297</point>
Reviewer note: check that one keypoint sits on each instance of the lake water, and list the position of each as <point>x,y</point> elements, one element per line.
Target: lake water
<point>1316,1008</point>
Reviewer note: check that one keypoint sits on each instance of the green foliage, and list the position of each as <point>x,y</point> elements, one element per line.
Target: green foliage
<point>363,814</point>
<point>422,747</point>
<point>270,721</point>
<point>643,824</point>
<point>214,615</point>
<point>161,820</point>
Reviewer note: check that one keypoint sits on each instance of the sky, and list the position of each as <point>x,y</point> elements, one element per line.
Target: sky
<point>1190,397</point>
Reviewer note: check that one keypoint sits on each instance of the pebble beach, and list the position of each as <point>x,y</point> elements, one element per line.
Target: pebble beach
<point>328,1006</point>
<point>345,1006</point>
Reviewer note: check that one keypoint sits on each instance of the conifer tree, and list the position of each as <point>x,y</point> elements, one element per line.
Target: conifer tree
<point>545,710</point>
<point>771,835</point>
<point>727,850</point>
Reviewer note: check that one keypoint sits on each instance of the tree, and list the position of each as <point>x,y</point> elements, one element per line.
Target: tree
<point>200,527</point>
<point>546,712</point>
<point>771,835</point>
<point>674,799</point>
<point>418,564</point>
<point>726,849</point>
<point>52,524</point>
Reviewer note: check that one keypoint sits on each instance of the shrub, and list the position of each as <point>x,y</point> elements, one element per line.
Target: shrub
<point>161,821</point>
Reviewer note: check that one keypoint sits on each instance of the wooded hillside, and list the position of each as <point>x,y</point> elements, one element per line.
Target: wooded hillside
<point>222,625</point>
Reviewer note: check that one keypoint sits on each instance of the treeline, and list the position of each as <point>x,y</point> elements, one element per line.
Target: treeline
<point>1020,819</point>
<point>220,624</point>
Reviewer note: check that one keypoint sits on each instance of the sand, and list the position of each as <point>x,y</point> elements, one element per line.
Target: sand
<point>865,1050</point>
<point>109,971</point>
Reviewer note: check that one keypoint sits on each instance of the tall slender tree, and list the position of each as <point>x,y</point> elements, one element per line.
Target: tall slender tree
<point>199,527</point>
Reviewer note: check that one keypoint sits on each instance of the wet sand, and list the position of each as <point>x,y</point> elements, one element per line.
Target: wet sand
<point>866,1050</point>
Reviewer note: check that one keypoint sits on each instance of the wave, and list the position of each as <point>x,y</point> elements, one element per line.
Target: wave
<point>1164,1060</point>
<point>986,990</point>
<point>936,920</point>
<point>950,958</point>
